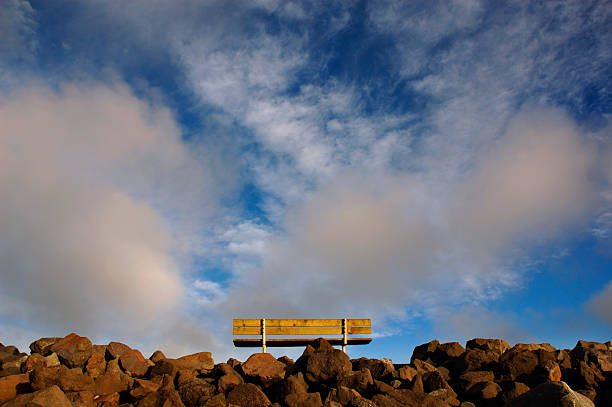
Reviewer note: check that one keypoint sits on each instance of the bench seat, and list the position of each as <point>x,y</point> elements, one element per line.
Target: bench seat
<point>286,343</point>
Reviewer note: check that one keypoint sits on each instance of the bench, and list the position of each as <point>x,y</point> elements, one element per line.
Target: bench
<point>294,327</point>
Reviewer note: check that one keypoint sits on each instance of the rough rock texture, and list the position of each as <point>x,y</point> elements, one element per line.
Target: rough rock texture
<point>484,373</point>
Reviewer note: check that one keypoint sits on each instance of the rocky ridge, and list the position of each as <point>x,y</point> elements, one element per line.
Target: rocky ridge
<point>73,372</point>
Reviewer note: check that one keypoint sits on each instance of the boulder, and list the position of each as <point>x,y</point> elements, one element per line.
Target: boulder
<point>66,379</point>
<point>43,345</point>
<point>303,400</point>
<point>196,361</point>
<point>165,396</point>
<point>406,373</point>
<point>157,356</point>
<point>498,346</point>
<point>380,370</point>
<point>11,386</point>
<point>227,378</point>
<point>52,360</point>
<point>163,367</point>
<point>596,353</point>
<point>425,351</point>
<point>511,390</point>
<point>12,361</point>
<point>218,400</point>
<point>114,350</point>
<point>134,363</point>
<point>81,398</point>
<point>107,400</point>
<point>469,379</point>
<point>194,392</point>
<point>359,381</point>
<point>32,361</point>
<point>141,388</point>
<point>50,397</point>
<point>96,365</point>
<point>553,394</point>
<point>477,359</point>
<point>73,350</point>
<point>448,351</point>
<point>483,391</point>
<point>519,364</point>
<point>322,363</point>
<point>294,384</point>
<point>248,395</point>
<point>263,368</point>
<point>113,380</point>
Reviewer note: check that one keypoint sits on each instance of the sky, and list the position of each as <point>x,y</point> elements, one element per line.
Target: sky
<point>441,167</point>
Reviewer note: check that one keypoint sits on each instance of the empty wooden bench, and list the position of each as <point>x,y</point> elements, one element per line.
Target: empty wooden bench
<point>344,328</point>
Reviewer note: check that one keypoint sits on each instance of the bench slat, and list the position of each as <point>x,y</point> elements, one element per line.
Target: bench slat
<point>255,343</point>
<point>301,322</point>
<point>241,330</point>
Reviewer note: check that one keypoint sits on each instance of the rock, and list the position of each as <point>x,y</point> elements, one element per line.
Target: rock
<point>114,350</point>
<point>433,381</point>
<point>81,398</point>
<point>234,362</point>
<point>519,364</point>
<point>228,378</point>
<point>73,350</point>
<point>263,368</point>
<point>379,369</point>
<point>406,398</point>
<point>406,373</point>
<point>142,388</point>
<point>248,395</point>
<point>469,379</point>
<point>586,375</point>
<point>548,371</point>
<point>498,346</point>
<point>196,361</point>
<point>511,390</point>
<point>134,363</point>
<point>532,347</point>
<point>66,379</point>
<point>43,345</point>
<point>32,361</point>
<point>596,353</point>
<point>96,365</point>
<point>294,384</point>
<point>303,400</point>
<point>322,363</point>
<point>554,394</point>
<point>448,351</point>
<point>359,381</point>
<point>483,391</point>
<point>49,397</point>
<point>11,386</point>
<point>423,367</point>
<point>163,367</point>
<point>166,396</point>
<point>108,400</point>
<point>425,351</point>
<point>157,356</point>
<point>218,400</point>
<point>13,361</point>
<point>286,360</point>
<point>113,380</point>
<point>52,360</point>
<point>195,391</point>
<point>478,359</point>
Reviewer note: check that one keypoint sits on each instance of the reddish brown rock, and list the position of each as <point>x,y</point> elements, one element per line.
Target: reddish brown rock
<point>248,395</point>
<point>533,347</point>
<point>294,384</point>
<point>425,351</point>
<point>52,360</point>
<point>512,390</point>
<point>11,386</point>
<point>114,350</point>
<point>483,391</point>
<point>81,398</point>
<point>49,397</point>
<point>519,364</point>
<point>194,392</point>
<point>228,378</point>
<point>142,388</point>
<point>166,396</point>
<point>498,346</point>
<point>34,360</point>
<point>113,380</point>
<point>134,363</point>
<point>380,370</point>
<point>196,361</point>
<point>234,362</point>
<point>322,363</point>
<point>163,367</point>
<point>449,350</point>
<point>13,361</point>
<point>66,379</point>
<point>303,400</point>
<point>157,356</point>
<point>263,368</point>
<point>359,381</point>
<point>406,373</point>
<point>469,379</point>
<point>554,394</point>
<point>596,353</point>
<point>43,345</point>
<point>218,400</point>
<point>478,359</point>
<point>73,350</point>
<point>96,365</point>
<point>101,349</point>
<point>107,400</point>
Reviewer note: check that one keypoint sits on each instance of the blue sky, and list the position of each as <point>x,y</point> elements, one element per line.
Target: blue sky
<point>444,168</point>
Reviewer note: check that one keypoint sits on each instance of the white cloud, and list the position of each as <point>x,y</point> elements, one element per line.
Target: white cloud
<point>100,196</point>
<point>600,304</point>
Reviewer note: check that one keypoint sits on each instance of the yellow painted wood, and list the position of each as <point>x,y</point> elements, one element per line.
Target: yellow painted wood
<point>271,330</point>
<point>301,322</point>
<point>254,343</point>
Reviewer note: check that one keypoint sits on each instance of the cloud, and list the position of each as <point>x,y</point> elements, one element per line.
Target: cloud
<point>380,242</point>
<point>100,200</point>
<point>18,41</point>
<point>600,304</point>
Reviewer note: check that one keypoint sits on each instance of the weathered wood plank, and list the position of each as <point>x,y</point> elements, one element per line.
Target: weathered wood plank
<point>255,343</point>
<point>248,330</point>
<point>301,322</point>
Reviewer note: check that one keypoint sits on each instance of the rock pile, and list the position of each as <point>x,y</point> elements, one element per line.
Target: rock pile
<point>72,372</point>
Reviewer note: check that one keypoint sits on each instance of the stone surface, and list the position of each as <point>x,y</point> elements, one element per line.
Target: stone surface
<point>157,356</point>
<point>134,363</point>
<point>469,379</point>
<point>379,369</point>
<point>52,360</point>
<point>32,361</point>
<point>66,379</point>
<point>96,365</point>
<point>50,397</point>
<point>81,398</point>
<point>228,378</point>
<point>43,345</point>
<point>196,361</point>
<point>554,394</point>
<point>194,392</point>
<point>248,395</point>
<point>142,388</point>
<point>406,373</point>
<point>114,350</point>
<point>321,362</point>
<point>498,346</point>
<point>425,351</point>
<point>73,350</point>
<point>359,381</point>
<point>263,368</point>
<point>11,386</point>
<point>303,400</point>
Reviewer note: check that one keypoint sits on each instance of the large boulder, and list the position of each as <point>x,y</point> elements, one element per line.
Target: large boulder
<point>195,392</point>
<point>134,363</point>
<point>96,365</point>
<point>114,350</point>
<point>303,400</point>
<point>263,368</point>
<point>49,397</point>
<point>227,378</point>
<point>43,345</point>
<point>596,353</point>
<point>380,369</point>
<point>73,350</point>
<point>196,361</point>
<point>11,386</point>
<point>165,396</point>
<point>553,394</point>
<point>360,380</point>
<point>322,363</point>
<point>113,380</point>
<point>248,395</point>
<point>498,346</point>
<point>66,379</point>
<point>425,351</point>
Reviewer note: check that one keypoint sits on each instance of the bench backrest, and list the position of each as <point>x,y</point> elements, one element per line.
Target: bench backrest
<point>317,327</point>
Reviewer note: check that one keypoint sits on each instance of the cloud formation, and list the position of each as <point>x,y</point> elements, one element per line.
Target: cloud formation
<point>97,191</point>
